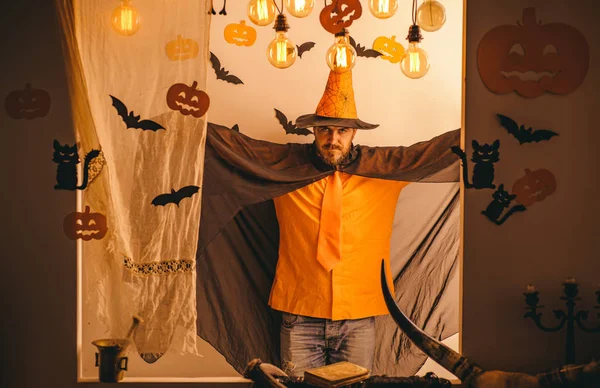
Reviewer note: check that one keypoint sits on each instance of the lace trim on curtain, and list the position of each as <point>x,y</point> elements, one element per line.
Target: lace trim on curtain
<point>159,268</point>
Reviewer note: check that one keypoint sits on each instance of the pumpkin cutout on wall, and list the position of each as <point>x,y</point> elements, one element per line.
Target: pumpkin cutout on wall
<point>27,103</point>
<point>533,58</point>
<point>86,225</point>
<point>188,100</point>
<point>181,49</point>
<point>390,49</point>
<point>534,186</point>
<point>240,34</point>
<point>340,14</point>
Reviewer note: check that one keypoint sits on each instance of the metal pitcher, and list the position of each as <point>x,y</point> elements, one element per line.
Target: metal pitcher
<point>111,359</point>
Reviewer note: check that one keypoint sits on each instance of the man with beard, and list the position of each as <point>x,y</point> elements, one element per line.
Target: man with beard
<point>332,233</point>
<point>292,238</point>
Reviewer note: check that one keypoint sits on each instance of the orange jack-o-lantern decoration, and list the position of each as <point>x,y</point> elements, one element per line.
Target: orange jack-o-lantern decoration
<point>181,49</point>
<point>85,226</point>
<point>340,14</point>
<point>240,34</point>
<point>188,100</point>
<point>533,58</point>
<point>535,186</point>
<point>390,49</point>
<point>27,103</point>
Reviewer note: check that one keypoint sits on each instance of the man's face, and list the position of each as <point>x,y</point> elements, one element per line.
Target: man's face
<point>333,143</point>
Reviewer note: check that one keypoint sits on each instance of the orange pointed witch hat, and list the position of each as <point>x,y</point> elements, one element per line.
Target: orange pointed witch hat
<point>337,107</point>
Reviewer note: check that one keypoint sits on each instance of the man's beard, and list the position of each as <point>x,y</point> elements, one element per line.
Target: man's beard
<point>329,157</point>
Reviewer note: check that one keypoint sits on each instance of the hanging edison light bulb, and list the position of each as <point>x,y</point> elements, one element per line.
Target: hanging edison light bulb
<point>431,15</point>
<point>299,8</point>
<point>261,12</point>
<point>415,61</point>
<point>341,56</point>
<point>125,19</point>
<point>383,9</point>
<point>281,52</point>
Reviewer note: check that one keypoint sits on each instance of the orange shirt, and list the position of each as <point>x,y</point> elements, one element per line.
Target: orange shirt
<point>352,290</point>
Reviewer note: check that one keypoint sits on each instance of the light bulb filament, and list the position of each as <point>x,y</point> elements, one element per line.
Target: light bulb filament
<point>299,5</point>
<point>383,6</point>
<point>341,59</point>
<point>281,51</point>
<point>261,9</point>
<point>126,19</point>
<point>415,63</point>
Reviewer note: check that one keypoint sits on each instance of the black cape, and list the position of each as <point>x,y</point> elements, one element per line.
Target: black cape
<point>239,239</point>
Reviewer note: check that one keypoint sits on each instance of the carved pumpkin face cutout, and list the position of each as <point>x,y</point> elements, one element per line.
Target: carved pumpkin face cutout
<point>240,34</point>
<point>533,58</point>
<point>390,49</point>
<point>340,14</point>
<point>181,49</point>
<point>27,103</point>
<point>535,186</point>
<point>188,100</point>
<point>85,226</point>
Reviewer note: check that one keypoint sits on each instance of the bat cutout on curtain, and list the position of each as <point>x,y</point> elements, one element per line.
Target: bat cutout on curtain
<point>363,51</point>
<point>501,200</point>
<point>289,127</point>
<point>304,47</point>
<point>67,158</point>
<point>525,135</point>
<point>223,11</point>
<point>221,73</point>
<point>484,156</point>
<point>175,196</point>
<point>131,120</point>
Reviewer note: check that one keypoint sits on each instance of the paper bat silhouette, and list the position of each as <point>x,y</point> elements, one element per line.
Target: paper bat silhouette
<point>235,128</point>
<point>221,72</point>
<point>306,46</point>
<point>362,51</point>
<point>525,135</point>
<point>134,121</point>
<point>175,196</point>
<point>289,127</point>
<point>223,11</point>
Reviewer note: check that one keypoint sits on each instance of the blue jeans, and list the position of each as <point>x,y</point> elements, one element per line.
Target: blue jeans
<point>308,342</point>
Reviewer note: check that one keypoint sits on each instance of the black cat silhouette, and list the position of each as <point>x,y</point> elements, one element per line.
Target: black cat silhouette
<point>502,200</point>
<point>484,156</point>
<point>66,172</point>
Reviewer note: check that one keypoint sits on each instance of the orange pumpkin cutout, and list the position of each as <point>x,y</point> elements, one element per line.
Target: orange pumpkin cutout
<point>533,58</point>
<point>27,103</point>
<point>390,49</point>
<point>535,186</point>
<point>240,34</point>
<point>181,49</point>
<point>85,226</point>
<point>340,14</point>
<point>188,100</point>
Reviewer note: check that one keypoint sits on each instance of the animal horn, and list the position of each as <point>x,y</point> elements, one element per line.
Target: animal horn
<point>440,353</point>
<point>587,375</point>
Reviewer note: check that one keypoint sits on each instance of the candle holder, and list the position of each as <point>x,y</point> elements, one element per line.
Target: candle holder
<point>569,318</point>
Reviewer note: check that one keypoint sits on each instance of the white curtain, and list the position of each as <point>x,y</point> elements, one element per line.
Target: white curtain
<point>145,265</point>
